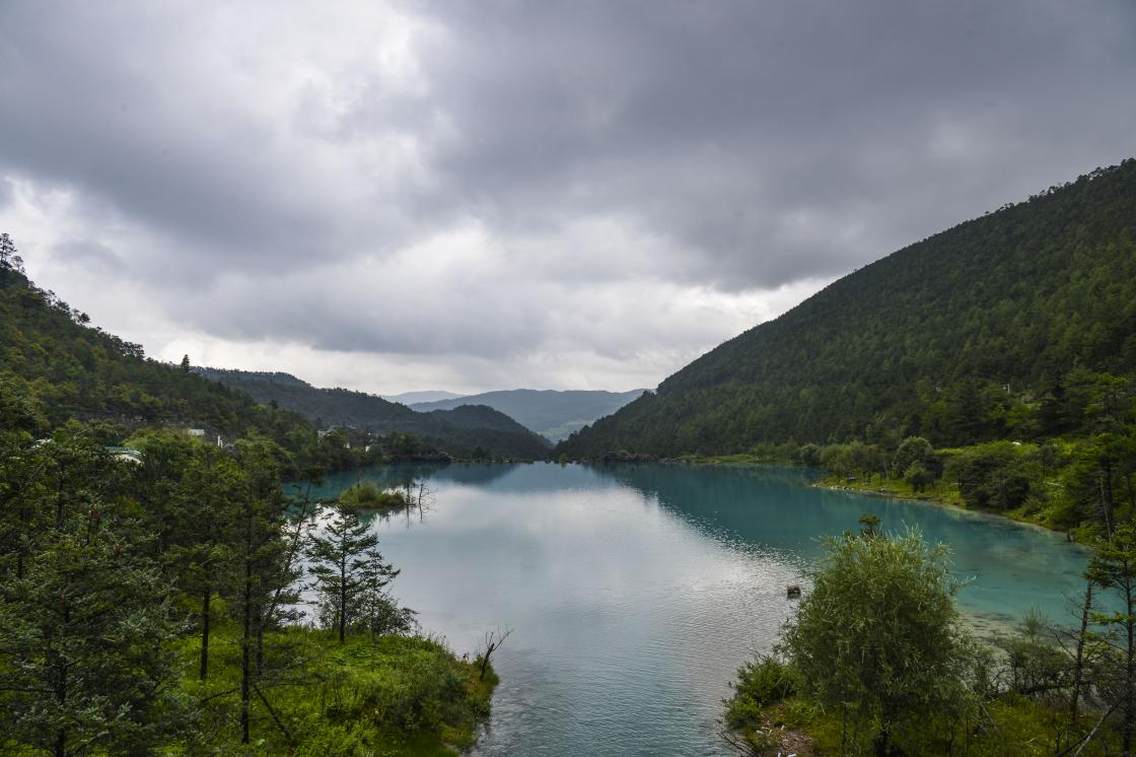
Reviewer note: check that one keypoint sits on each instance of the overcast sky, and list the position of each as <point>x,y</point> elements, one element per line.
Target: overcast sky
<point>482,195</point>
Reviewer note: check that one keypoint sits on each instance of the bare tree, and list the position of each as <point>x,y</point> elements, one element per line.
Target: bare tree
<point>493,642</point>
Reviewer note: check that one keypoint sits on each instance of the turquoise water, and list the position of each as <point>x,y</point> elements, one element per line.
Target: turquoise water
<point>633,592</point>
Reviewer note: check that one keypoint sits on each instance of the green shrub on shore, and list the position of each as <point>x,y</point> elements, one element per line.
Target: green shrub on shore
<point>875,661</point>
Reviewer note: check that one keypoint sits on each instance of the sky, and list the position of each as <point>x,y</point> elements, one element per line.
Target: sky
<point>496,194</point>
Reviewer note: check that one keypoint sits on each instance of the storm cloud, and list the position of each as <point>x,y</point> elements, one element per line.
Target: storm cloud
<point>556,194</point>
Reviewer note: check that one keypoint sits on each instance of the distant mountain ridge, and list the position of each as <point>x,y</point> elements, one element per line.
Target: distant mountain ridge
<point>458,431</point>
<point>554,414</point>
<point>409,398</point>
<point>962,337</point>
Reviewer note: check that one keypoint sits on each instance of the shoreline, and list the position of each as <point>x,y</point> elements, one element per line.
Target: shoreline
<point>826,482</point>
<point>1018,519</point>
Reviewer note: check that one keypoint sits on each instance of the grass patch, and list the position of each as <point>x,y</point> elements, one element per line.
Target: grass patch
<point>390,696</point>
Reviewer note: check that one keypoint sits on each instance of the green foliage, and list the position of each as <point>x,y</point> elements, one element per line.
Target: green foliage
<point>104,556</point>
<point>981,332</point>
<point>365,495</point>
<point>85,613</point>
<point>875,661</point>
<point>391,695</point>
<point>1035,666</point>
<point>914,450</point>
<point>760,683</point>
<point>1113,568</point>
<point>998,475</point>
<point>59,367</point>
<point>879,636</point>
<point>855,459</point>
<point>349,573</point>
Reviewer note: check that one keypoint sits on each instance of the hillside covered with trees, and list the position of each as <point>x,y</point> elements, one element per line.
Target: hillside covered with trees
<point>150,602</point>
<point>53,359</point>
<point>468,431</point>
<point>1016,325</point>
<point>59,366</point>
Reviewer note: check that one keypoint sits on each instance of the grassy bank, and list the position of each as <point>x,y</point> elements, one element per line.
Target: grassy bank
<point>396,696</point>
<point>1069,485</point>
<point>943,493</point>
<point>1011,725</point>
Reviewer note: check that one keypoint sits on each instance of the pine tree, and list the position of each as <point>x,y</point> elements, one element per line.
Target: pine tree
<point>1114,567</point>
<point>7,251</point>
<point>259,551</point>
<point>84,623</point>
<point>206,504</point>
<point>348,569</point>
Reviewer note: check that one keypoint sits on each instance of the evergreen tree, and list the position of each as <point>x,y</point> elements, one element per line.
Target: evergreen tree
<point>349,571</point>
<point>201,550</point>
<point>8,256</point>
<point>1114,567</point>
<point>258,549</point>
<point>85,620</point>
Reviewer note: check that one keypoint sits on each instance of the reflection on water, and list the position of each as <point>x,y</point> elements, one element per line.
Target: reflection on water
<point>635,591</point>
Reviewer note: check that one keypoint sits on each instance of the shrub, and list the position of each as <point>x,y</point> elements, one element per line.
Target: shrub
<point>760,683</point>
<point>880,634</point>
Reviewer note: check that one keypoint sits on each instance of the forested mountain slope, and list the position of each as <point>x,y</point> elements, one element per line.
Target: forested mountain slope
<point>550,413</point>
<point>460,431</point>
<point>53,359</point>
<point>971,334</point>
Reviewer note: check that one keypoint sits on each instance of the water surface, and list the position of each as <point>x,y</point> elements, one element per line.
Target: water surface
<point>633,592</point>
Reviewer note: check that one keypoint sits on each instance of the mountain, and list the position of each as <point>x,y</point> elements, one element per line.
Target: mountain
<point>459,431</point>
<point>409,398</point>
<point>552,414</point>
<point>974,333</point>
<point>61,367</point>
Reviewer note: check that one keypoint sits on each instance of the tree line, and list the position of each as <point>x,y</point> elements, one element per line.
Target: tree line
<point>119,578</point>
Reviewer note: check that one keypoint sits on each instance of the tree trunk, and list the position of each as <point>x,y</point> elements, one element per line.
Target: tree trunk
<point>203,671</point>
<point>342,605</point>
<point>60,748</point>
<point>246,638</point>
<point>1105,481</point>
<point>883,743</point>
<point>1129,672</point>
<point>1079,660</point>
<point>260,622</point>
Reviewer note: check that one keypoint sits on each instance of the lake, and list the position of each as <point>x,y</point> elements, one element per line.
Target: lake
<point>634,592</point>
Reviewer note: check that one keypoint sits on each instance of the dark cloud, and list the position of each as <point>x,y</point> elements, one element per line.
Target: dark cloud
<point>720,124</point>
<point>491,181</point>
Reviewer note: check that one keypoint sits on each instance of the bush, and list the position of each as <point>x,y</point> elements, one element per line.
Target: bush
<point>760,683</point>
<point>880,634</point>
<point>914,450</point>
<point>367,496</point>
<point>808,455</point>
<point>998,475</point>
<point>1034,664</point>
<point>918,476</point>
